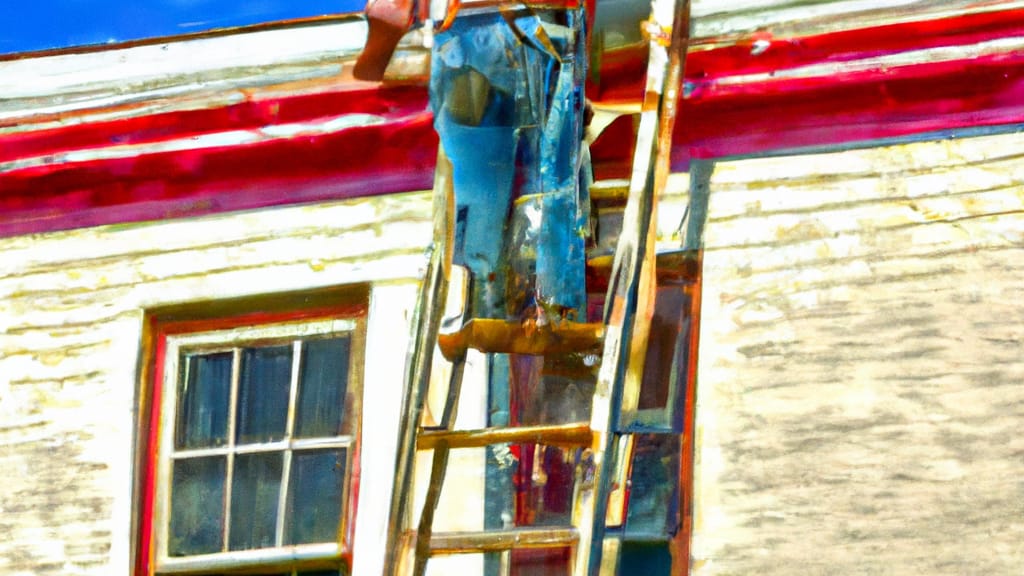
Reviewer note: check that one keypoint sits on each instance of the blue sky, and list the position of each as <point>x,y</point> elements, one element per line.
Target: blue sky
<point>42,24</point>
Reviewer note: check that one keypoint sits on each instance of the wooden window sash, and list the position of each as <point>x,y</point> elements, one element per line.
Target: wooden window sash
<point>234,340</point>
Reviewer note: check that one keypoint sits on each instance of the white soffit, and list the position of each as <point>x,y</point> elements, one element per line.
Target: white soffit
<point>216,70</point>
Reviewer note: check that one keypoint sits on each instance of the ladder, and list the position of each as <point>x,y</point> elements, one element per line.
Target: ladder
<point>620,338</point>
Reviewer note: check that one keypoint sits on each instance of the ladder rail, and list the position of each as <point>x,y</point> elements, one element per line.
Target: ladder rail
<point>630,290</point>
<point>438,469</point>
<point>426,321</point>
<point>626,323</point>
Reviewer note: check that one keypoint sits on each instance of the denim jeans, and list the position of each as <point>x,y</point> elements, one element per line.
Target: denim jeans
<point>507,94</point>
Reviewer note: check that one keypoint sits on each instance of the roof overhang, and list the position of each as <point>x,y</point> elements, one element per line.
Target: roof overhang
<point>268,117</point>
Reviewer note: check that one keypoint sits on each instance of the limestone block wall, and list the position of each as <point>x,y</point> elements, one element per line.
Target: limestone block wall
<point>861,383</point>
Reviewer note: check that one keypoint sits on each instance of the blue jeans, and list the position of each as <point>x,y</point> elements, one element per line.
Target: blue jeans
<point>507,95</point>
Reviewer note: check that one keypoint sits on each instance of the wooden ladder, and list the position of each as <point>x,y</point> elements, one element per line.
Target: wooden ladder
<point>620,338</point>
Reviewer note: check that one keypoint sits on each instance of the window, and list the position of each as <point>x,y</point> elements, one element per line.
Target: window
<point>256,449</point>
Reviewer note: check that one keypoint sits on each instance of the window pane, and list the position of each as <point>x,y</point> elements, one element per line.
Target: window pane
<point>254,495</point>
<point>197,506</point>
<point>654,494</point>
<point>541,562</point>
<point>263,394</point>
<point>667,347</point>
<point>322,388</point>
<point>314,499</point>
<point>647,558</point>
<point>203,416</point>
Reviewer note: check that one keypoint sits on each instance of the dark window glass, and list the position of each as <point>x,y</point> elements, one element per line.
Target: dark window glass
<point>254,494</point>
<point>667,347</point>
<point>647,558</point>
<point>322,388</point>
<point>654,495</point>
<point>203,414</point>
<point>263,394</point>
<point>201,487</point>
<point>314,498</point>
<point>197,506</point>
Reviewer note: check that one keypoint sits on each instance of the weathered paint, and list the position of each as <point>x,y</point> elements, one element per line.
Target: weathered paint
<point>71,320</point>
<point>60,346</point>
<point>262,135</point>
<point>72,307</point>
<point>69,24</point>
<point>858,401</point>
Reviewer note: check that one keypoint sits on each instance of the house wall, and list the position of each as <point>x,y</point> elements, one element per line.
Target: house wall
<point>859,404</point>
<point>71,318</point>
<point>72,308</point>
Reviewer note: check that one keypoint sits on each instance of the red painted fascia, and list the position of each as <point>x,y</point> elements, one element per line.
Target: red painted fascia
<point>842,109</point>
<point>364,161</point>
<point>762,53</point>
<point>258,110</point>
<point>855,107</point>
<point>718,119</point>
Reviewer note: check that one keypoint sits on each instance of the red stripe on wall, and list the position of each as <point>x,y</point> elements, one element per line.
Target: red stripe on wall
<point>845,108</point>
<point>718,119</point>
<point>364,161</point>
<point>256,112</point>
<point>621,71</point>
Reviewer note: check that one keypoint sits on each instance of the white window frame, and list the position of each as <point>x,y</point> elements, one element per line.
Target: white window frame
<point>280,557</point>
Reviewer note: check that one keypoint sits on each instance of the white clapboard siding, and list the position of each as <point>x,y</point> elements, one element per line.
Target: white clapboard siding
<point>859,400</point>
<point>71,312</point>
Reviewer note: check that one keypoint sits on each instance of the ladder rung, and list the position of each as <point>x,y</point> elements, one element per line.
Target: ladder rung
<point>556,435</point>
<point>616,191</point>
<point>490,335</point>
<point>497,540</point>
<point>675,267</point>
<point>610,191</point>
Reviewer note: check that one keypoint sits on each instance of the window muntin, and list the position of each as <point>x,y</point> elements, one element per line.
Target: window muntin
<point>256,447</point>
